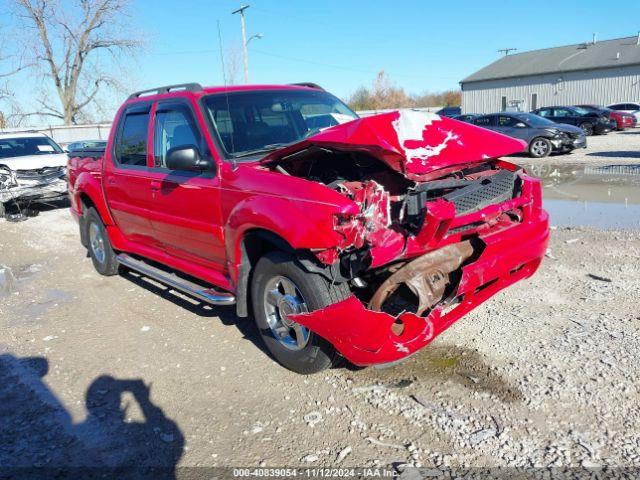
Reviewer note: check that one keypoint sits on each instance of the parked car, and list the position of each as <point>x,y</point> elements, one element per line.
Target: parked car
<point>364,240</point>
<point>449,111</point>
<point>32,169</point>
<point>623,119</point>
<point>542,135</point>
<point>629,107</point>
<point>86,144</point>
<point>467,117</point>
<point>591,122</point>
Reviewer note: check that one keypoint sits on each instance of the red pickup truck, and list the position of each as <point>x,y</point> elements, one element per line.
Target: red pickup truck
<point>344,237</point>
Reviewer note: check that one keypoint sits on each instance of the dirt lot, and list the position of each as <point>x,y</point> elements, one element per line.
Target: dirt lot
<point>112,371</point>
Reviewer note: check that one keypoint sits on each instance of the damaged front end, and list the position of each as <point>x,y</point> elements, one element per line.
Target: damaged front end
<point>25,186</point>
<point>442,226</point>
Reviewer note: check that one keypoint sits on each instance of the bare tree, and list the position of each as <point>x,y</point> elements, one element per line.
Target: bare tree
<point>72,39</point>
<point>384,95</point>
<point>10,65</point>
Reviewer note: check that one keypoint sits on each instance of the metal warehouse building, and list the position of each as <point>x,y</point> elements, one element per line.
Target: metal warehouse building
<point>601,73</point>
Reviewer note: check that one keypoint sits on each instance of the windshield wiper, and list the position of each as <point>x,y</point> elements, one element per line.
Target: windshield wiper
<point>265,149</point>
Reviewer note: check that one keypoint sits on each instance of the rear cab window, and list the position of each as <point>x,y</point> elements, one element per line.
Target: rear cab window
<point>131,141</point>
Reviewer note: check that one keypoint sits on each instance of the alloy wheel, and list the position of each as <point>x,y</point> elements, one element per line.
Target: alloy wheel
<point>540,148</point>
<point>96,240</point>
<point>283,298</point>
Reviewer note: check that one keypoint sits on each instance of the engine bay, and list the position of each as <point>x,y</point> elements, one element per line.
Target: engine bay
<point>393,214</point>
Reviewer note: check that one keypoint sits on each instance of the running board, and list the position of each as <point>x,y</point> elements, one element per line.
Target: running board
<point>201,292</point>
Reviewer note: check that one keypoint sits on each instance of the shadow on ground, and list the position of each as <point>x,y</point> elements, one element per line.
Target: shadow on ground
<point>15,212</point>
<point>226,314</point>
<point>39,439</point>
<point>615,154</point>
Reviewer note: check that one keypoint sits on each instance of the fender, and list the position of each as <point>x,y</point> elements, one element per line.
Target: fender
<point>296,223</point>
<point>88,184</point>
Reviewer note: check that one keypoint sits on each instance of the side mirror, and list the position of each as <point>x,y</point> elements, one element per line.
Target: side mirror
<point>187,158</point>
<point>521,125</point>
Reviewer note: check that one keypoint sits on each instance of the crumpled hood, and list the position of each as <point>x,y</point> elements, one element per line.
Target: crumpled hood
<point>34,162</point>
<point>411,142</point>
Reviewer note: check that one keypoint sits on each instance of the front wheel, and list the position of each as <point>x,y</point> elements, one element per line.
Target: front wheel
<point>280,287</point>
<point>587,128</point>
<point>540,147</point>
<point>100,250</point>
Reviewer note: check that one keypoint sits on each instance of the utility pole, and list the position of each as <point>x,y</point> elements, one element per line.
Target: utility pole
<point>506,51</point>
<point>245,54</point>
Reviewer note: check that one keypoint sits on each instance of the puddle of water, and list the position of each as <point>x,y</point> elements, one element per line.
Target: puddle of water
<point>568,213</point>
<point>605,196</point>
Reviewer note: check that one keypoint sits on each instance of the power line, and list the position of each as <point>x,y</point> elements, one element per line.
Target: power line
<point>341,67</point>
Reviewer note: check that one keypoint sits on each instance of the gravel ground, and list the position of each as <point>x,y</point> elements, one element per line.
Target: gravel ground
<point>120,371</point>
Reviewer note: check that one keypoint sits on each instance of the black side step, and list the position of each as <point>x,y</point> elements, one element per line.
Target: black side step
<point>201,292</point>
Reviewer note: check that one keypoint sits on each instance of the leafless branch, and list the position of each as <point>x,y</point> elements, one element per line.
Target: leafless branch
<point>71,39</point>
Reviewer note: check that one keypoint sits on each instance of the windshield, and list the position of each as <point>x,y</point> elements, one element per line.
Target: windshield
<point>23,146</point>
<point>250,123</point>
<point>535,120</point>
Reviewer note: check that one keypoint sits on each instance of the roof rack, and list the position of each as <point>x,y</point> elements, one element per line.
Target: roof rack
<point>308,84</point>
<point>189,87</point>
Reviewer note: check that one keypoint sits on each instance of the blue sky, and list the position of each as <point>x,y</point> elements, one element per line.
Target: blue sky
<point>423,46</point>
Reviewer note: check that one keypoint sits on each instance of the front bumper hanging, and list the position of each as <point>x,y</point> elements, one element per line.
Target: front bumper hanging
<point>365,336</point>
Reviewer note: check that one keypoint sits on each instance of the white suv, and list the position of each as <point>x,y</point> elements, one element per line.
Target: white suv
<point>32,169</point>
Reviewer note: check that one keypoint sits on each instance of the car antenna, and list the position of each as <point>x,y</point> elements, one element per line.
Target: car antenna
<point>226,95</point>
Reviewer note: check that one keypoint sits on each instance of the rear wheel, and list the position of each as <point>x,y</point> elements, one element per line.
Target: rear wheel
<point>100,250</point>
<point>540,147</point>
<point>587,128</point>
<point>281,287</point>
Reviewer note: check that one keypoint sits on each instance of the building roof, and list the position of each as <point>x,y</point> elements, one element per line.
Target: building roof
<point>583,56</point>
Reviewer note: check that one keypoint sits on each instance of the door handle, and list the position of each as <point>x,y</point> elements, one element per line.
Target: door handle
<point>155,185</point>
<point>111,180</point>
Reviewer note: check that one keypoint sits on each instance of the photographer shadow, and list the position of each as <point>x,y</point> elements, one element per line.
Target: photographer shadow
<point>38,436</point>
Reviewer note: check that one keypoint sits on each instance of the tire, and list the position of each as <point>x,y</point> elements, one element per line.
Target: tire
<point>100,250</point>
<point>587,128</point>
<point>540,147</point>
<point>280,284</point>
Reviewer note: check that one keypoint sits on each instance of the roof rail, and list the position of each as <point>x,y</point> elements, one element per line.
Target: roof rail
<point>189,87</point>
<point>308,84</point>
